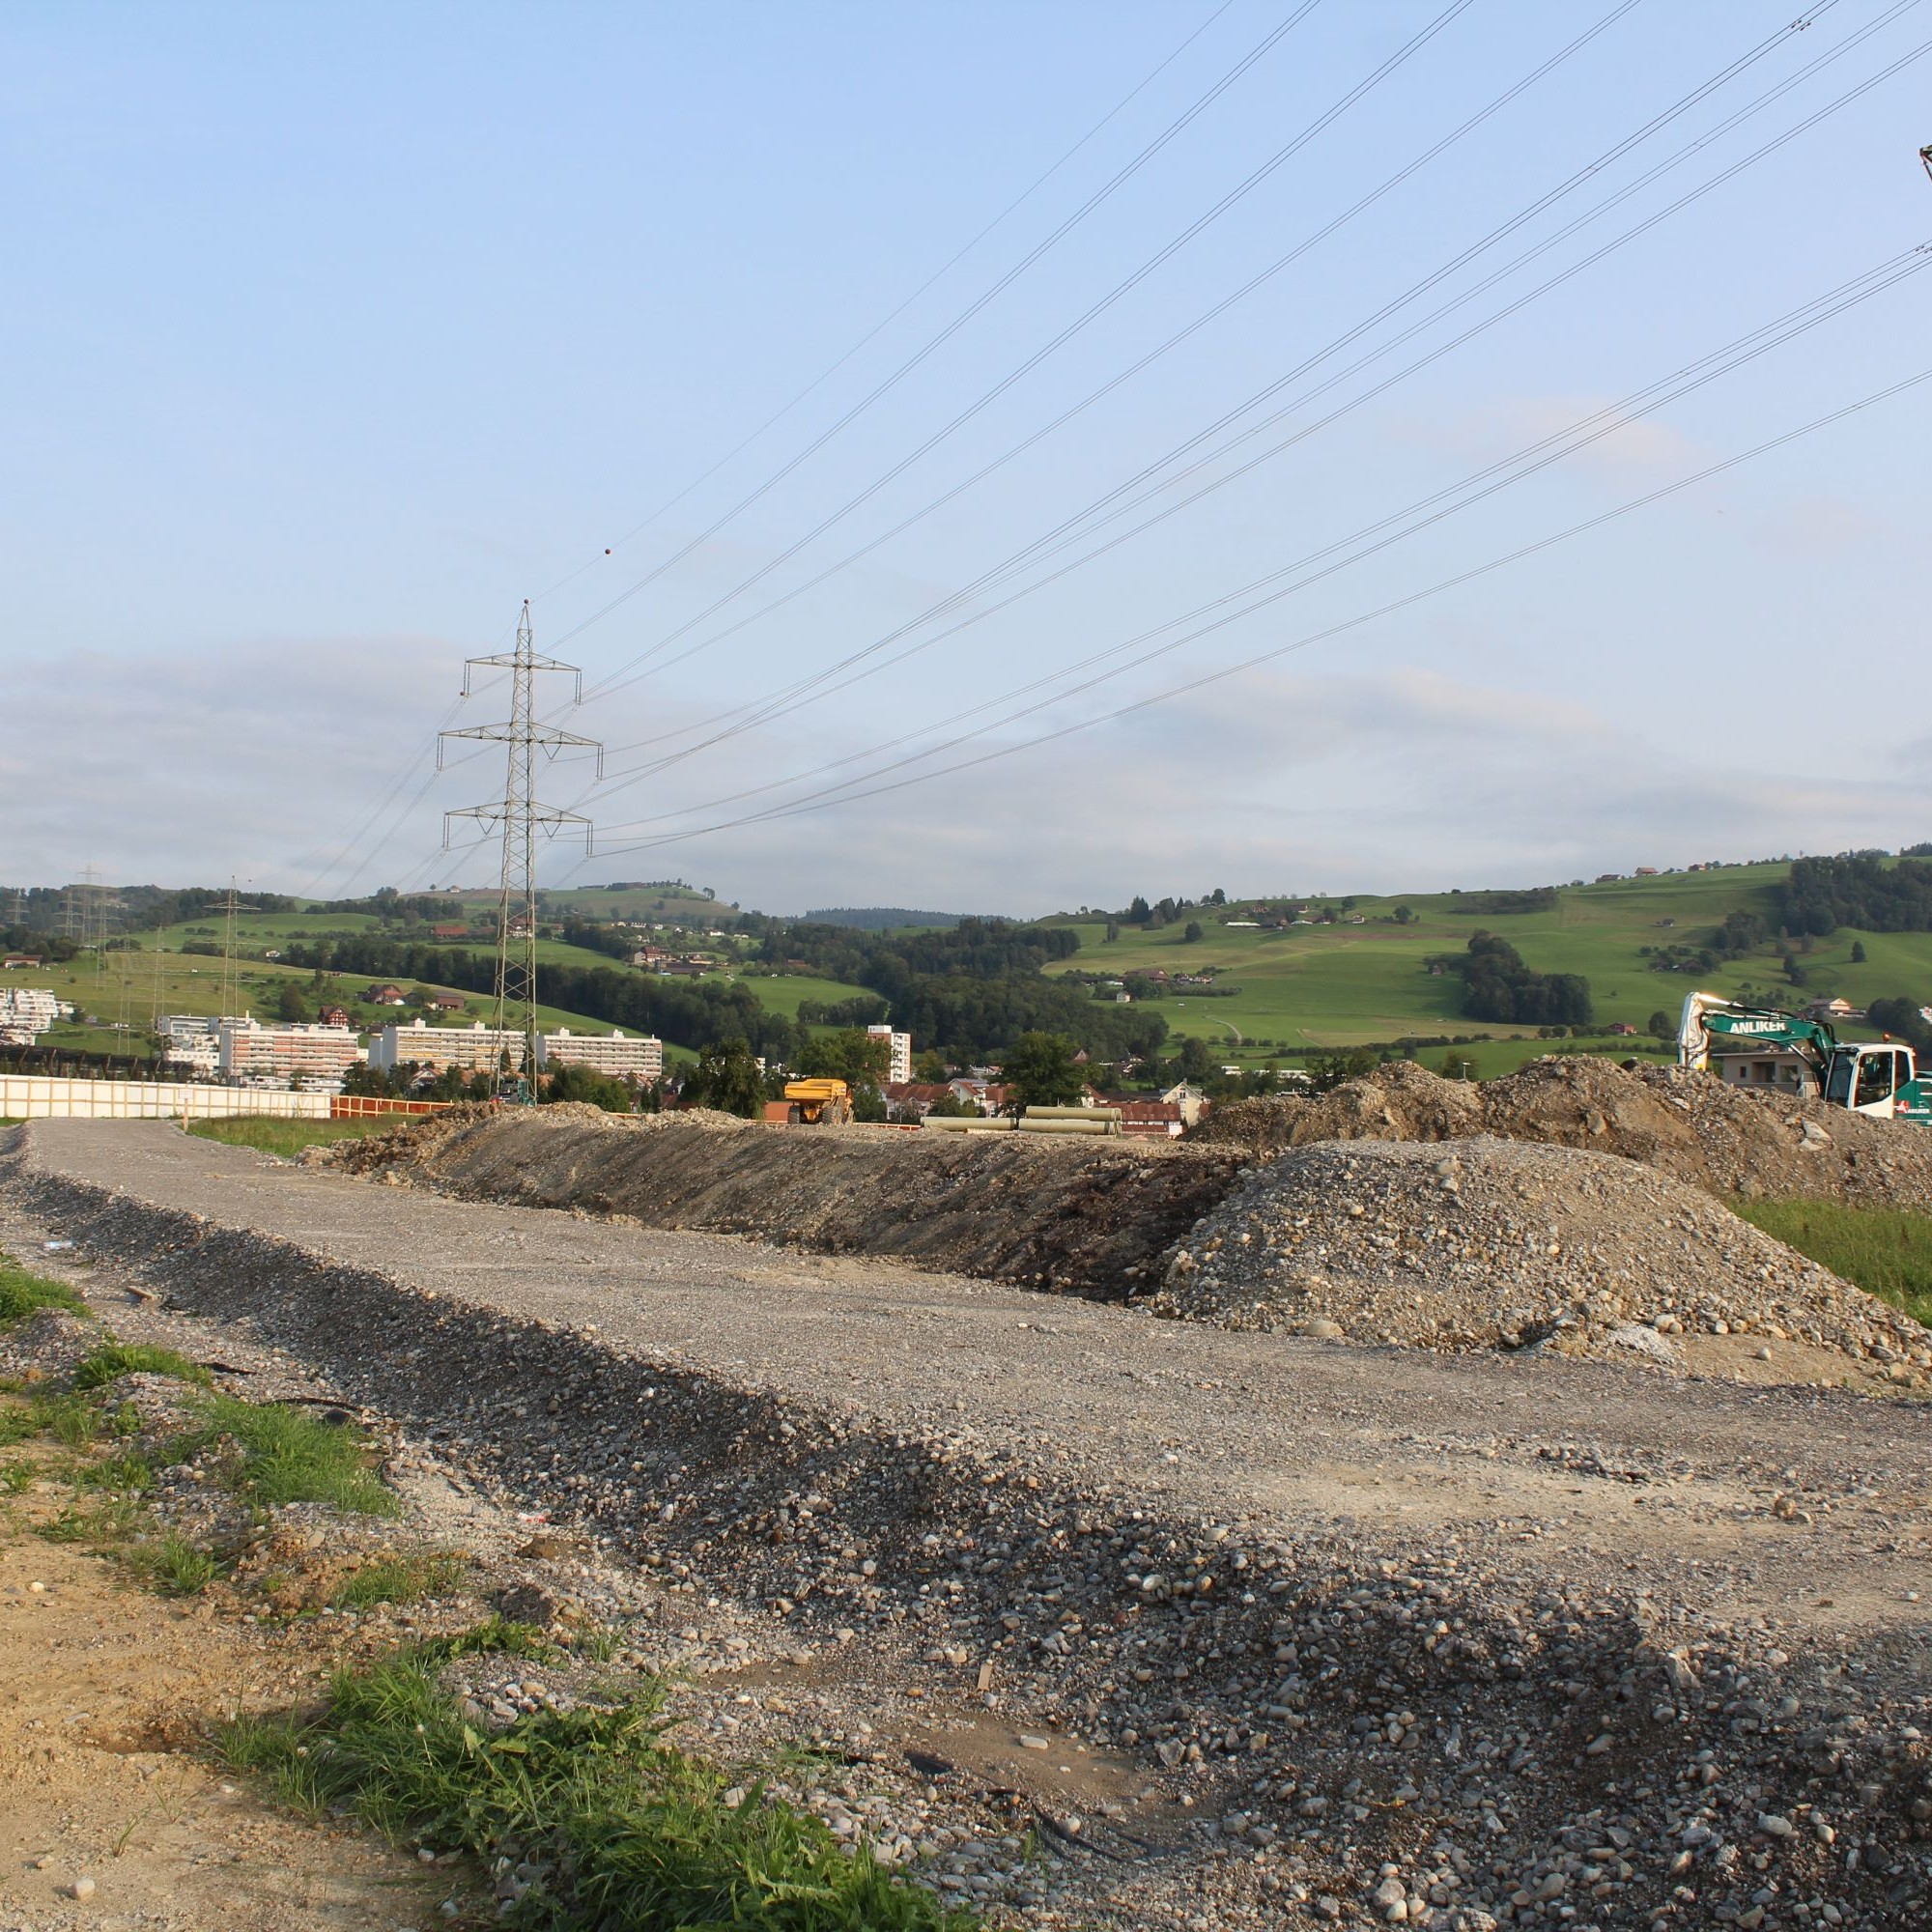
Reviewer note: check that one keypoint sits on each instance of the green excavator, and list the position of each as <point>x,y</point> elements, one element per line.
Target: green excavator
<point>1879,1079</point>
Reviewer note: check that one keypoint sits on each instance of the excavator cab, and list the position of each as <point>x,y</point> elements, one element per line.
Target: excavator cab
<point>1870,1079</point>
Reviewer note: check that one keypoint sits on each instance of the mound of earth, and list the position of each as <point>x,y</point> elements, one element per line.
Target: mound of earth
<point>1724,1139</point>
<point>1494,1244</point>
<point>1084,1215</point>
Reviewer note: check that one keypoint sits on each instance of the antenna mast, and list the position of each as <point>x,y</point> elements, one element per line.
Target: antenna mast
<point>519,815</point>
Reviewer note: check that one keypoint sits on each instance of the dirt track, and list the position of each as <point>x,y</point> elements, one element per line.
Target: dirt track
<point>1547,1504</point>
<point>1221,1424</point>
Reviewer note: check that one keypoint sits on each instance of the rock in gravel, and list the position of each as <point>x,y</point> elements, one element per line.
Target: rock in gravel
<point>1494,1244</point>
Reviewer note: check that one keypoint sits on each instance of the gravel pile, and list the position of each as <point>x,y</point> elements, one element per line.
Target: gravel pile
<point>1315,1723</point>
<point>1490,1243</point>
<point>1721,1138</point>
<point>1070,1214</point>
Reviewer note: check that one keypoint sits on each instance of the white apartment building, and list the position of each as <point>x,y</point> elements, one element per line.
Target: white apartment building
<point>901,1067</point>
<point>192,1043</point>
<point>621,1056</point>
<point>249,1051</point>
<point>474,1048</point>
<point>29,1009</point>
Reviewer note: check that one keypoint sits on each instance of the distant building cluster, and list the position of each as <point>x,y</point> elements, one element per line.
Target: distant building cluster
<point>27,1012</point>
<point>477,1048</point>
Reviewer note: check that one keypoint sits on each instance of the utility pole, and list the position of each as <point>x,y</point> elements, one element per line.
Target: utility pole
<point>231,973</point>
<point>519,815</point>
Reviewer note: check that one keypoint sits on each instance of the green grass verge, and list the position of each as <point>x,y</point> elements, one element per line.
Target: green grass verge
<point>21,1294</point>
<point>1885,1251</point>
<point>629,1831</point>
<point>289,1137</point>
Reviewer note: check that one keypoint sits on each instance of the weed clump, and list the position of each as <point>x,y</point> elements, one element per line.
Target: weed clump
<point>396,1578</point>
<point>112,1361</point>
<point>285,1455</point>
<point>615,1828</point>
<point>23,1294</point>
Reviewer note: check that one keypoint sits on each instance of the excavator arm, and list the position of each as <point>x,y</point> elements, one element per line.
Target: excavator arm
<point>1710,1013</point>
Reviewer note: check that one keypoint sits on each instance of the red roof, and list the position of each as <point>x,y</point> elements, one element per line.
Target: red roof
<point>921,1092</point>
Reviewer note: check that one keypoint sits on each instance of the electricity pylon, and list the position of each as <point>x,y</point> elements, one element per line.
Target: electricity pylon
<point>518,817</point>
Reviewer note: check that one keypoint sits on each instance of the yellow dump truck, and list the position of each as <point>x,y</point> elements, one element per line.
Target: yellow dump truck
<point>814,1103</point>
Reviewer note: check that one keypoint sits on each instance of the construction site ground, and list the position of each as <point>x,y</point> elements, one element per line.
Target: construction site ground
<point>1297,1621</point>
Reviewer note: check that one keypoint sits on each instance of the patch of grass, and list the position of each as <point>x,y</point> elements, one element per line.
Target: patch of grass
<point>399,1579</point>
<point>17,1478</point>
<point>125,1472</point>
<point>21,1294</point>
<point>493,1636</point>
<point>287,1455</point>
<point>114,1359</point>
<point>288,1137</point>
<point>1885,1251</point>
<point>72,1420</point>
<point>174,1564</point>
<point>19,1423</point>
<point>634,1832</point>
<point>102,1524</point>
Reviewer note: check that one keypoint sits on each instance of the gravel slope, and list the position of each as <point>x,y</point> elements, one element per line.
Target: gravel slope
<point>1490,1243</point>
<point>1482,1638</point>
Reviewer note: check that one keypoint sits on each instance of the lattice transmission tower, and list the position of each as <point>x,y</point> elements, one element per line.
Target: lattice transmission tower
<point>520,817</point>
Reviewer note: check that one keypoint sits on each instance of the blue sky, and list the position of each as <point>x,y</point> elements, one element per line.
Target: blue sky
<point>337,332</point>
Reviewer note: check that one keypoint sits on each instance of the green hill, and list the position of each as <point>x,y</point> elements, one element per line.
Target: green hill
<point>1319,986</point>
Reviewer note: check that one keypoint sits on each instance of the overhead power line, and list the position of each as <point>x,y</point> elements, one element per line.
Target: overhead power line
<point>1416,517</point>
<point>619,680</point>
<point>1102,195</point>
<point>1234,195</point>
<point>885,322</point>
<point>821,684</point>
<point>1276,652</point>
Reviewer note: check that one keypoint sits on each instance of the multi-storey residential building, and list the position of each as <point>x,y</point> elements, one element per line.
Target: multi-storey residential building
<point>250,1051</point>
<point>190,1044</point>
<point>474,1048</point>
<point>28,1009</point>
<point>900,1066</point>
<point>620,1055</point>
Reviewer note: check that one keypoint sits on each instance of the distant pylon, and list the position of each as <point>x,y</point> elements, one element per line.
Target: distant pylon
<point>519,815</point>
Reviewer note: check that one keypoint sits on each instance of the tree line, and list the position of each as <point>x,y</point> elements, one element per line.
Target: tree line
<point>1859,890</point>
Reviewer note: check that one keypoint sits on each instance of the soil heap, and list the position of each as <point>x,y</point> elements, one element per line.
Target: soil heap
<point>1494,1244</point>
<point>1079,1214</point>
<point>1694,1125</point>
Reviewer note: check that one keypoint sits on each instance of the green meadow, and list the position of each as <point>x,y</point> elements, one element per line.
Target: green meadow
<point>1318,988</point>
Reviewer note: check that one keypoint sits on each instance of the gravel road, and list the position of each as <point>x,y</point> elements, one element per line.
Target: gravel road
<point>1579,1598</point>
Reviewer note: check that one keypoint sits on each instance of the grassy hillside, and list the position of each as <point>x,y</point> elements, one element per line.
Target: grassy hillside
<point>1316,988</point>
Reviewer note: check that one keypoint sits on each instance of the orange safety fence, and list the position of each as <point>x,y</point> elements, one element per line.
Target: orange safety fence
<point>364,1106</point>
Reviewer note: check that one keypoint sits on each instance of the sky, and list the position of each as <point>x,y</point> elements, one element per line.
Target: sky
<point>949,345</point>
